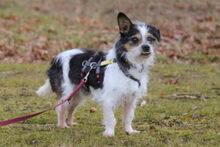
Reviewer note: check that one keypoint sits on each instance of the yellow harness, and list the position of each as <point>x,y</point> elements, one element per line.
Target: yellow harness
<point>106,62</point>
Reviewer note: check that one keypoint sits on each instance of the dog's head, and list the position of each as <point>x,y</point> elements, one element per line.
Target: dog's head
<point>136,41</point>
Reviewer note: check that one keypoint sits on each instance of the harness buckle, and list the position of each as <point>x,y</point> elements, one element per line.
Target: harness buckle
<point>91,66</point>
<point>84,63</point>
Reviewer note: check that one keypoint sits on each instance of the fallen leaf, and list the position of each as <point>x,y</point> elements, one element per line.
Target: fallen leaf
<point>92,110</point>
<point>162,95</point>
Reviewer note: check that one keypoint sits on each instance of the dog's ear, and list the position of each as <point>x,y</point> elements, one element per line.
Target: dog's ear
<point>155,32</point>
<point>124,23</point>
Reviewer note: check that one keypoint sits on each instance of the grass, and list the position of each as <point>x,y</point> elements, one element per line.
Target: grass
<point>182,110</point>
<point>183,99</point>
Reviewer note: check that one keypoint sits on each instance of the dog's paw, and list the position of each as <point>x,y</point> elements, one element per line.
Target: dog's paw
<point>62,126</point>
<point>72,123</point>
<point>132,132</point>
<point>108,133</point>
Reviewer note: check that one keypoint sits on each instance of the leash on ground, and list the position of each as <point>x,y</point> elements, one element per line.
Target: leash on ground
<point>14,120</point>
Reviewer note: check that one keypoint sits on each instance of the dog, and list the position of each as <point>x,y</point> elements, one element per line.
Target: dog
<point>123,82</point>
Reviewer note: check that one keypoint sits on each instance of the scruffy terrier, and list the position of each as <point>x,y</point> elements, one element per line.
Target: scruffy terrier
<point>123,82</point>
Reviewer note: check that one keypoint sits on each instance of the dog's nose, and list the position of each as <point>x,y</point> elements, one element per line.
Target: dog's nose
<point>145,48</point>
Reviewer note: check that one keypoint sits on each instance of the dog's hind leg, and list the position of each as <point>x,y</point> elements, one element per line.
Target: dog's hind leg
<point>75,101</point>
<point>61,116</point>
<point>70,111</point>
<point>61,113</point>
<point>129,108</point>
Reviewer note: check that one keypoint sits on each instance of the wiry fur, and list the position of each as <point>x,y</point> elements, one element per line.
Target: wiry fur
<point>116,89</point>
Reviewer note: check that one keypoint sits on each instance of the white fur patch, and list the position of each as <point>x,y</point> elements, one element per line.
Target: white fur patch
<point>65,57</point>
<point>45,90</point>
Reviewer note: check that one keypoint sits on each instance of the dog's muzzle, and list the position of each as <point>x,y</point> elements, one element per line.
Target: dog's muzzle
<point>145,50</point>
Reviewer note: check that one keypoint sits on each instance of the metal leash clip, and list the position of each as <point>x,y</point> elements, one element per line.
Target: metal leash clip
<point>84,63</point>
<point>91,66</point>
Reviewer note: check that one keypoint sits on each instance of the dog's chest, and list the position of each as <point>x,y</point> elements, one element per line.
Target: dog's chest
<point>118,84</point>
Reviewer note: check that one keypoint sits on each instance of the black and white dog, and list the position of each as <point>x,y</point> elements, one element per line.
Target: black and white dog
<point>134,52</point>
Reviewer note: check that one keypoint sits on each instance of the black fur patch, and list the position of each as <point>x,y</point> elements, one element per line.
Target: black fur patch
<point>76,67</point>
<point>154,31</point>
<point>120,46</point>
<point>55,74</point>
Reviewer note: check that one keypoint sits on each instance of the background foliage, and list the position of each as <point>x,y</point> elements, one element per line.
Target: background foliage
<point>32,31</point>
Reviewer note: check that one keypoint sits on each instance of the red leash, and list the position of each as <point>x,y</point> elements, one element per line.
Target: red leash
<point>83,81</point>
<point>14,120</point>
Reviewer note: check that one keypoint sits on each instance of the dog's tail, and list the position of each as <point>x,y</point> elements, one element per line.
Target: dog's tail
<point>45,90</point>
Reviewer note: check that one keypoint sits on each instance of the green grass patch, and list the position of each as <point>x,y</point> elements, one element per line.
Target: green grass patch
<point>181,113</point>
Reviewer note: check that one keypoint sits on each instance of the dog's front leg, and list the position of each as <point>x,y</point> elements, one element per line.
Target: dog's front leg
<point>129,108</point>
<point>109,120</point>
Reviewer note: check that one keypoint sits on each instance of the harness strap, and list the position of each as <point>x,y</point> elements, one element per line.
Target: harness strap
<point>87,64</point>
<point>127,74</point>
<point>107,62</point>
<point>98,70</point>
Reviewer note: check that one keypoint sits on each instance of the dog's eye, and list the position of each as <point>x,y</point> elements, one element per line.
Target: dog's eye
<point>134,40</point>
<point>150,39</point>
